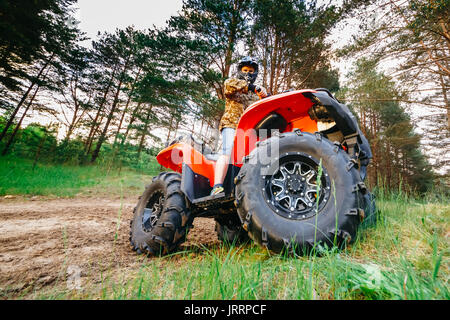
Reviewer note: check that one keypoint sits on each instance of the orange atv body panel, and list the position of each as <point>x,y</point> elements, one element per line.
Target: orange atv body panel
<point>175,155</point>
<point>293,106</point>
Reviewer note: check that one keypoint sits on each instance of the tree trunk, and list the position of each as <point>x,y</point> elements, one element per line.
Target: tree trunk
<point>216,134</point>
<point>133,118</point>
<point>92,131</point>
<point>126,108</point>
<point>201,128</point>
<point>170,130</point>
<point>16,129</point>
<point>176,128</point>
<point>272,67</point>
<point>444,93</point>
<point>22,100</point>
<point>76,108</point>
<point>100,108</point>
<point>230,45</point>
<point>102,137</point>
<point>388,164</point>
<point>193,125</point>
<point>144,133</point>
<point>38,151</point>
<point>375,145</point>
<point>91,141</point>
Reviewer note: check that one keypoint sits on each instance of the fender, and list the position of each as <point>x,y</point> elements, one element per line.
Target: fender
<point>293,106</point>
<point>175,155</point>
<point>345,120</point>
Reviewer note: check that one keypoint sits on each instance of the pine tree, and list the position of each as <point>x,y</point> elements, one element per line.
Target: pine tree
<point>414,34</point>
<point>27,27</point>
<point>56,38</point>
<point>124,49</point>
<point>397,158</point>
<point>288,37</point>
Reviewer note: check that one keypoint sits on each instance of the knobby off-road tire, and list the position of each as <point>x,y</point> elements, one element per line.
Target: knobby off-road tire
<point>161,218</point>
<point>229,230</point>
<point>298,222</point>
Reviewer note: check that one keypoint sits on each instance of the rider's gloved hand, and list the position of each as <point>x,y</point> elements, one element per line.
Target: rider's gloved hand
<point>260,91</point>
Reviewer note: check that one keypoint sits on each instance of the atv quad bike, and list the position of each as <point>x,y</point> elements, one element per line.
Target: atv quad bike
<point>289,186</point>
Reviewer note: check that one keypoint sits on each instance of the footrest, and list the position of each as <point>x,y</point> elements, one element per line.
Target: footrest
<point>208,198</point>
<point>210,201</point>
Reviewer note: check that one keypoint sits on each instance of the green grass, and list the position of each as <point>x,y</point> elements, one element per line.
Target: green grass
<point>405,256</point>
<point>18,177</point>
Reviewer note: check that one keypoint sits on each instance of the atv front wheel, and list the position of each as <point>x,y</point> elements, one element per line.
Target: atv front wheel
<point>307,195</point>
<point>161,218</point>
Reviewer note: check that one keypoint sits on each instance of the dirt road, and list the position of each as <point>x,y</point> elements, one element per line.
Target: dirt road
<point>42,239</point>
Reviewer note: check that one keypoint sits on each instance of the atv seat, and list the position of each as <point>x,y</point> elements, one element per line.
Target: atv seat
<point>201,146</point>
<point>197,144</point>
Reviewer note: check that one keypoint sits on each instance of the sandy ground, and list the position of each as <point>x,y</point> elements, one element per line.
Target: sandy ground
<point>45,240</point>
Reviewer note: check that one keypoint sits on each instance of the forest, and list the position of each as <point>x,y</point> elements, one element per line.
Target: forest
<point>83,117</point>
<point>120,99</point>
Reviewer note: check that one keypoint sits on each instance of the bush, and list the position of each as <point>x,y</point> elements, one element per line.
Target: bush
<point>71,152</point>
<point>39,143</point>
<point>128,155</point>
<point>35,142</point>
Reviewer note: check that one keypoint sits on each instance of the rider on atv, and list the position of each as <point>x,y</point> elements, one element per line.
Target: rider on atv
<point>311,192</point>
<point>240,92</point>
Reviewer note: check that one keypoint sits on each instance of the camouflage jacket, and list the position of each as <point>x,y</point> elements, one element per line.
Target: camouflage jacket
<point>237,100</point>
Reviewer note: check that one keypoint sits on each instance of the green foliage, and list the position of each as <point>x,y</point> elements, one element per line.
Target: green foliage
<point>323,77</point>
<point>20,176</point>
<point>39,144</point>
<point>27,28</point>
<point>35,141</point>
<point>411,40</point>
<point>201,42</point>
<point>396,147</point>
<point>289,39</point>
<point>129,156</point>
<point>70,152</point>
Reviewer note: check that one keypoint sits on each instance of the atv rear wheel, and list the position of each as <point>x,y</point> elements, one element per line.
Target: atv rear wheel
<point>370,210</point>
<point>161,218</point>
<point>306,196</point>
<point>229,230</point>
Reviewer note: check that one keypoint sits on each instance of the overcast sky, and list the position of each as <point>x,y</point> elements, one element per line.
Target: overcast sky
<point>107,15</point>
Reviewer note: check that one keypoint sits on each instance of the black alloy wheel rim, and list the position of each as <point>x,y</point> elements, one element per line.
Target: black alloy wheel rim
<point>152,211</point>
<point>291,187</point>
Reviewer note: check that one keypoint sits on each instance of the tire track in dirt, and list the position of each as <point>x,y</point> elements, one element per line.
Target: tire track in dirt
<point>40,239</point>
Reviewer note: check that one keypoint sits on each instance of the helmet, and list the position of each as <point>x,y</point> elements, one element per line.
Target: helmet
<point>247,61</point>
